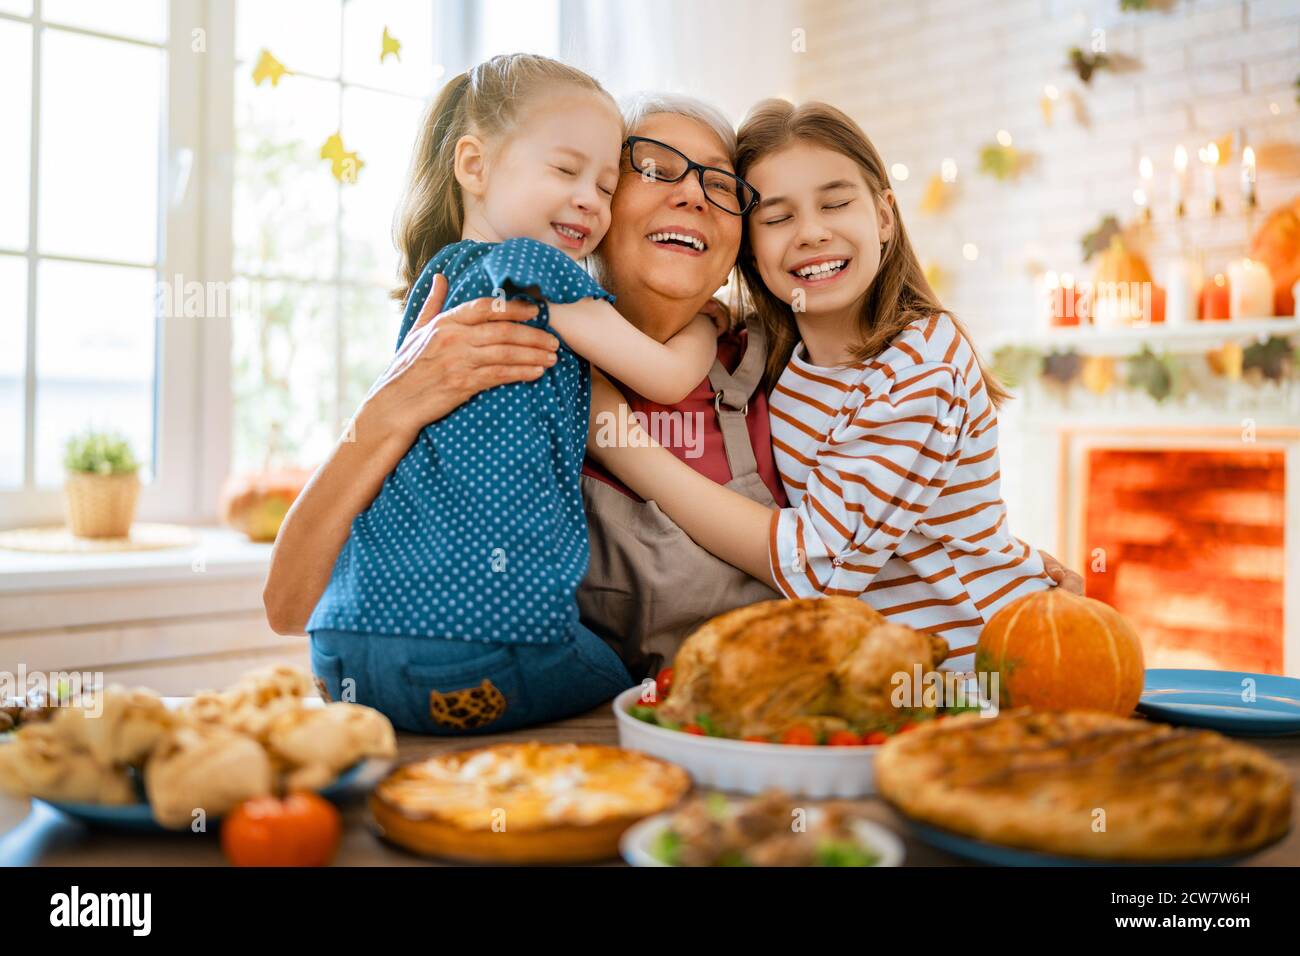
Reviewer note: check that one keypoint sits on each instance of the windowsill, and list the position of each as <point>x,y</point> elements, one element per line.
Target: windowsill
<point>220,553</point>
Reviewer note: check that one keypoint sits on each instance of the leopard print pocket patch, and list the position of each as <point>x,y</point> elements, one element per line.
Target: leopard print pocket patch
<point>467,709</point>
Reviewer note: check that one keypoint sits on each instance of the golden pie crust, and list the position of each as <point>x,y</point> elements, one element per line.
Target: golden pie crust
<point>524,803</point>
<point>1087,784</point>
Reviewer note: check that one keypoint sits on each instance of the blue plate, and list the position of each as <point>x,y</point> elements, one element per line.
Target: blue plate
<point>996,854</point>
<point>138,817</point>
<point>1220,700</point>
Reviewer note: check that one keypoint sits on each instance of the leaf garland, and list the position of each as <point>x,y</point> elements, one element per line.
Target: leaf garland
<point>1152,373</point>
<point>1271,357</point>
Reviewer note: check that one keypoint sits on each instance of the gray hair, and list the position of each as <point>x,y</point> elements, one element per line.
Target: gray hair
<point>639,106</point>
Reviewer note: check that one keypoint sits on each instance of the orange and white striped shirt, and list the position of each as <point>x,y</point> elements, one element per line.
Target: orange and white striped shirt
<point>891,467</point>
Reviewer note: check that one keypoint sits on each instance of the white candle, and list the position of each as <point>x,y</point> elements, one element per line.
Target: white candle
<point>1248,177</point>
<point>1250,289</point>
<point>1210,160</point>
<point>1180,180</point>
<point>1182,281</point>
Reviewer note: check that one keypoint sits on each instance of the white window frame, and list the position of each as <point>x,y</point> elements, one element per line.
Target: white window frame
<point>189,377</point>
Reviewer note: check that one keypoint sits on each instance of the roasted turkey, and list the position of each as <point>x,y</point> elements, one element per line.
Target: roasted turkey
<point>827,662</point>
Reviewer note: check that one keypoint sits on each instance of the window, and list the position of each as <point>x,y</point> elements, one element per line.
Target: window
<point>81,239</point>
<point>314,260</point>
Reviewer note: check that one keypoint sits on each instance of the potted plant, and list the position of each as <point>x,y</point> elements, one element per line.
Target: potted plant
<point>102,484</point>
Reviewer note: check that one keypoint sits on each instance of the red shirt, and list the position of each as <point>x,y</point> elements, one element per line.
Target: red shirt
<point>698,410</point>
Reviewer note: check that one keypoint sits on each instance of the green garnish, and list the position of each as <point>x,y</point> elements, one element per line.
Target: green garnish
<point>642,712</point>
<point>717,805</point>
<point>707,725</point>
<point>844,853</point>
<point>666,847</point>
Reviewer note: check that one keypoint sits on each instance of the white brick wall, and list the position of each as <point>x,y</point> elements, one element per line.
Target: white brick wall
<point>935,78</point>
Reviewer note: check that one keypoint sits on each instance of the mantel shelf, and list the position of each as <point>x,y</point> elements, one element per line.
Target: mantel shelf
<point>1197,337</point>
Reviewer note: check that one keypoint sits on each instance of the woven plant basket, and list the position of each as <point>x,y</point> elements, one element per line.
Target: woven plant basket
<point>100,506</point>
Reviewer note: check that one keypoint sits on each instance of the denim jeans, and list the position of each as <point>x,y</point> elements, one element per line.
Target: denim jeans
<point>431,685</point>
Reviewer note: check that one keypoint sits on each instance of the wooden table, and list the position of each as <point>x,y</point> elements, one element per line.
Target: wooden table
<point>46,837</point>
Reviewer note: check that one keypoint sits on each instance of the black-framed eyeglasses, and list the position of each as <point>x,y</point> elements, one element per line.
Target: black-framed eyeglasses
<point>660,162</point>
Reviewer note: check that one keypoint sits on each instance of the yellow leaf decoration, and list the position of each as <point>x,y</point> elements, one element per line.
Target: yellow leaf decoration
<point>1226,361</point>
<point>343,164</point>
<point>1045,103</point>
<point>268,68</point>
<point>1098,374</point>
<point>390,45</point>
<point>937,195</point>
<point>936,276</point>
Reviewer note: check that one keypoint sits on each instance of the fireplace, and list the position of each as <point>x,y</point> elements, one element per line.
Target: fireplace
<point>1190,545</point>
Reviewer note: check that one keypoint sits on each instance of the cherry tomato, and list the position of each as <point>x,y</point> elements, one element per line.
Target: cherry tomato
<point>303,829</point>
<point>910,725</point>
<point>695,729</point>
<point>664,682</point>
<point>873,738</point>
<point>800,735</point>
<point>843,738</point>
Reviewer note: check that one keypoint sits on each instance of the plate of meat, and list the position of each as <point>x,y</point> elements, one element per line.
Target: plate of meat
<point>793,695</point>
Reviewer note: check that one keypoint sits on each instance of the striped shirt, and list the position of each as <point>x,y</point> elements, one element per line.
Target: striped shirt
<point>891,468</point>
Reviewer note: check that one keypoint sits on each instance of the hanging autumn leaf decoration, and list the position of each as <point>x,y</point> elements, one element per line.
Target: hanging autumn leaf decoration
<point>1001,162</point>
<point>344,164</point>
<point>268,68</point>
<point>1153,374</point>
<point>390,46</point>
<point>1098,240</point>
<point>1062,367</point>
<point>1016,364</point>
<point>1086,64</point>
<point>1270,357</point>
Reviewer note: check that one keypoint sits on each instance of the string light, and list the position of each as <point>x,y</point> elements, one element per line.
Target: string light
<point>948,170</point>
<point>899,172</point>
<point>970,251</point>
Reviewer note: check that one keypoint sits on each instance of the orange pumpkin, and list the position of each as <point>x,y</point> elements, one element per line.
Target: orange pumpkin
<point>1054,650</point>
<point>256,504</point>
<point>1121,274</point>
<point>1277,245</point>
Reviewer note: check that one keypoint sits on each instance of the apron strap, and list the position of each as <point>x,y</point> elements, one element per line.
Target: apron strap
<point>731,402</point>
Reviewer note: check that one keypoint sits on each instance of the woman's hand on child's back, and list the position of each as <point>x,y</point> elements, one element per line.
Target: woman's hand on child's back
<point>448,358</point>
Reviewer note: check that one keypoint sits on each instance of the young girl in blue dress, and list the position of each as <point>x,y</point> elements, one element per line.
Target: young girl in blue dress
<point>451,607</point>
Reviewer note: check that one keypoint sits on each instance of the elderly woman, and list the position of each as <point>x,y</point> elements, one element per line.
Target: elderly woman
<point>648,584</point>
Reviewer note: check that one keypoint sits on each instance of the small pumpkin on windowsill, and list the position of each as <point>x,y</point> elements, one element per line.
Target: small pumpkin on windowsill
<point>256,503</point>
<point>102,484</point>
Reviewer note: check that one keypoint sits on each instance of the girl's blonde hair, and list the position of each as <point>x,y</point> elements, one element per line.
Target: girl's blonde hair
<point>899,293</point>
<point>485,101</point>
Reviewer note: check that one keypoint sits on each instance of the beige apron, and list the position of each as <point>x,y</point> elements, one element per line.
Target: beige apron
<point>648,584</point>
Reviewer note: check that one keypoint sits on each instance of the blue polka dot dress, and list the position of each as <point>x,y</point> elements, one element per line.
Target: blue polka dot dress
<point>479,534</point>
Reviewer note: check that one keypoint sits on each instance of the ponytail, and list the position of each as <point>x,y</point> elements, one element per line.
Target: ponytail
<point>484,101</point>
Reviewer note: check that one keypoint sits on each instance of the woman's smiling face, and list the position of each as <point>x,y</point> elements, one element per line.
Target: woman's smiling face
<point>644,208</point>
<point>816,234</point>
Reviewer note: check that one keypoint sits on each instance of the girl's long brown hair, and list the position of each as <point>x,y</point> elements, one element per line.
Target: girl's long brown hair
<point>899,293</point>
<point>486,101</point>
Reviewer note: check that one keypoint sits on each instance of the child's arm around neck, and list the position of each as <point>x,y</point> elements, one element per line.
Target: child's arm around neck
<point>663,372</point>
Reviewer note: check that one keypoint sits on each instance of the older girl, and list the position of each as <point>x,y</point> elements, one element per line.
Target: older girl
<point>883,419</point>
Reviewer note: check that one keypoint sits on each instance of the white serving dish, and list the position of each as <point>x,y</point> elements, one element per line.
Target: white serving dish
<point>639,838</point>
<point>743,766</point>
